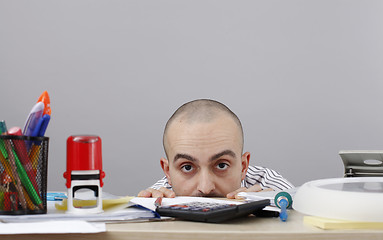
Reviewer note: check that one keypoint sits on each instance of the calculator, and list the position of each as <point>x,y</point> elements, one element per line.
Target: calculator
<point>211,211</point>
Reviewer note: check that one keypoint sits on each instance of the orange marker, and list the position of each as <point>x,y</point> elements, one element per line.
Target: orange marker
<point>44,97</point>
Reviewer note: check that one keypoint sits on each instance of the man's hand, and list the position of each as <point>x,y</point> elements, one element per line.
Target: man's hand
<point>162,192</point>
<point>255,188</point>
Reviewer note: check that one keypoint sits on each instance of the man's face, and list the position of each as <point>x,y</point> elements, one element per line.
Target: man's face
<point>205,158</point>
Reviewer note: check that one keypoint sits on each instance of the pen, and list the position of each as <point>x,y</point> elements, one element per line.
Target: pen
<point>283,215</point>
<point>44,98</point>
<point>33,118</point>
<point>283,200</point>
<point>41,126</point>
<point>158,202</point>
<point>46,118</point>
<point>38,128</point>
<point>40,132</point>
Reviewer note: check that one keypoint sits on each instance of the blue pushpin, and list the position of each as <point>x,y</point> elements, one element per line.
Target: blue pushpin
<point>283,200</point>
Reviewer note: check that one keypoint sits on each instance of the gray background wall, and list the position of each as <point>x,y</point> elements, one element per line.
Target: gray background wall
<point>305,77</point>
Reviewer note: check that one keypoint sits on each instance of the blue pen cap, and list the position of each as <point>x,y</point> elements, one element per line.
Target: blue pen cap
<point>283,195</point>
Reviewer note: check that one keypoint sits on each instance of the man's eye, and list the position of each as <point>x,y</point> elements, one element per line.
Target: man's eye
<point>187,168</point>
<point>222,166</point>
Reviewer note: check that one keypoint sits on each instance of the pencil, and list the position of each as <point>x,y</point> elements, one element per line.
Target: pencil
<point>158,202</point>
<point>34,155</point>
<point>30,204</point>
<point>2,149</point>
<point>6,165</point>
<point>27,183</point>
<point>15,174</point>
<point>21,151</point>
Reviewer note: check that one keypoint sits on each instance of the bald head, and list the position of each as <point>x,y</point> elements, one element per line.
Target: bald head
<point>201,111</point>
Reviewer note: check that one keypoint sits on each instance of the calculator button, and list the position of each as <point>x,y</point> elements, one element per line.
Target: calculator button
<point>178,206</point>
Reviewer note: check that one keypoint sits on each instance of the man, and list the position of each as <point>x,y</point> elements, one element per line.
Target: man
<point>203,142</point>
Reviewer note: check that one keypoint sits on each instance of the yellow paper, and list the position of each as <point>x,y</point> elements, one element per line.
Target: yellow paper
<point>327,223</point>
<point>107,204</point>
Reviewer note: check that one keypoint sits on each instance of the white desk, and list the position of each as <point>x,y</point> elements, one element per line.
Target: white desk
<point>240,229</point>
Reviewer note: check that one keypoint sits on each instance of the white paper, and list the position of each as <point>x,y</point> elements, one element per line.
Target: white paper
<point>127,214</point>
<point>57,227</point>
<point>56,221</point>
<point>256,196</point>
<point>116,214</point>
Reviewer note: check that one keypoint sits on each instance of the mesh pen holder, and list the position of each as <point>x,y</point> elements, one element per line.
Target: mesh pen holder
<point>23,174</point>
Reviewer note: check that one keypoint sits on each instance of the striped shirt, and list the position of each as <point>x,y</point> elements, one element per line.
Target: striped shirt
<point>265,177</point>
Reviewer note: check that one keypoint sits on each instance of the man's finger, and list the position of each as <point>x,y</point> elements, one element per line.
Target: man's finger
<point>255,188</point>
<point>150,192</point>
<point>234,193</point>
<point>156,193</point>
<point>167,192</point>
<point>144,193</point>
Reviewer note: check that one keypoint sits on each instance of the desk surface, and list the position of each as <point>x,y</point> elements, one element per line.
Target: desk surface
<point>245,228</point>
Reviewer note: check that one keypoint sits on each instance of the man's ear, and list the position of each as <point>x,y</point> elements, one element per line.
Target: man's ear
<point>165,167</point>
<point>245,159</point>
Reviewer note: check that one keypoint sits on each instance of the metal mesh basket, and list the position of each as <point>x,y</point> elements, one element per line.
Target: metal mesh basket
<point>23,174</point>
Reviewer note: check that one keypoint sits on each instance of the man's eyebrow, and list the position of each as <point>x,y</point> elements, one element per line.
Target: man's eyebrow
<point>223,153</point>
<point>185,156</point>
